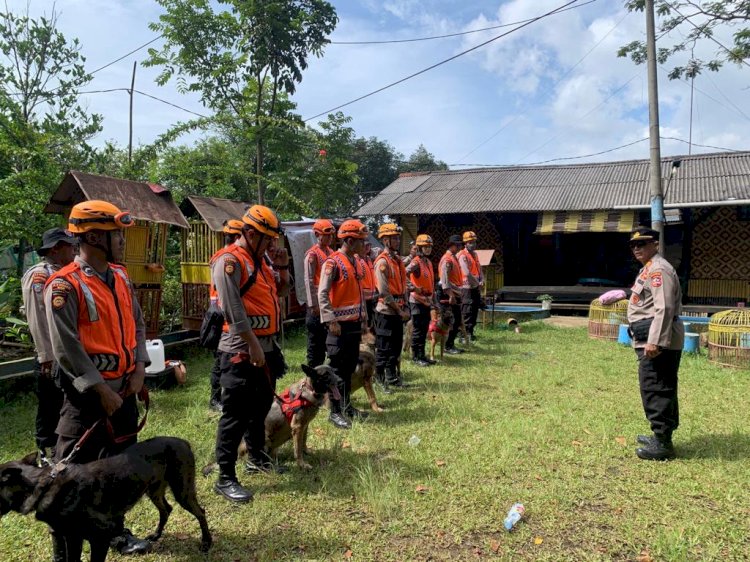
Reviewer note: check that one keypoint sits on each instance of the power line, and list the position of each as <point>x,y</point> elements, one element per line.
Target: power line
<point>127,55</point>
<point>441,62</point>
<point>446,36</point>
<point>519,115</point>
<point>146,95</point>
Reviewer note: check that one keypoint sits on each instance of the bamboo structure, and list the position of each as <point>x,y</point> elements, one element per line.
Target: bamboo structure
<point>729,338</point>
<point>605,319</point>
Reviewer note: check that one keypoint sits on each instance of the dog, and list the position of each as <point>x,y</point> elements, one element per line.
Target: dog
<point>82,501</point>
<point>291,418</point>
<point>365,371</point>
<point>408,335</point>
<point>441,322</point>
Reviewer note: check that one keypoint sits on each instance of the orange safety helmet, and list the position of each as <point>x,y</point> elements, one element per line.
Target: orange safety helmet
<point>424,240</point>
<point>262,219</point>
<point>324,226</point>
<point>97,215</point>
<point>469,236</point>
<point>389,229</point>
<point>353,229</point>
<point>232,226</point>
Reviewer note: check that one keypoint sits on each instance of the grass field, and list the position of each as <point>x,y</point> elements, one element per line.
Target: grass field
<point>547,417</point>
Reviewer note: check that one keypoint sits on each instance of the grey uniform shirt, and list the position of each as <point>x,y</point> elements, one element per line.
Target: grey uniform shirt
<point>328,276</point>
<point>382,273</point>
<point>447,266</point>
<point>656,294</point>
<point>468,276</point>
<point>414,269</point>
<point>312,265</point>
<point>63,330</point>
<point>32,288</point>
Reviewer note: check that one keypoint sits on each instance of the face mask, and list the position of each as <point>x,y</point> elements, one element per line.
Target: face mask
<point>471,246</point>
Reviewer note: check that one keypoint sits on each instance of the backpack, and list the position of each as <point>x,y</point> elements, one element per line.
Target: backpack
<point>212,325</point>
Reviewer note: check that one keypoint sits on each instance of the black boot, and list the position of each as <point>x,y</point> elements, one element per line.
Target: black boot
<point>659,449</point>
<point>215,404</point>
<point>128,544</point>
<point>418,357</point>
<point>382,382</point>
<point>644,439</point>
<point>352,413</point>
<point>230,488</point>
<point>391,377</point>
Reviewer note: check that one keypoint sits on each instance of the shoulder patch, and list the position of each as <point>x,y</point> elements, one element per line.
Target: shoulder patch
<point>230,265</point>
<point>656,279</point>
<point>60,290</point>
<point>329,267</point>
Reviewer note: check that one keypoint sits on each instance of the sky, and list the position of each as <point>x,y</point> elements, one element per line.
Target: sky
<point>554,90</point>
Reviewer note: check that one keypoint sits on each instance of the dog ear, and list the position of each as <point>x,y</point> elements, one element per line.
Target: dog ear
<point>9,474</point>
<point>309,371</point>
<point>30,459</point>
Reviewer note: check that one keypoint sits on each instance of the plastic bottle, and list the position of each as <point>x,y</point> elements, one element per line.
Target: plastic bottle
<point>514,516</point>
<point>414,441</point>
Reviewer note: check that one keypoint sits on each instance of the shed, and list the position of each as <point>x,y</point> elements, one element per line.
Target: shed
<point>145,242</point>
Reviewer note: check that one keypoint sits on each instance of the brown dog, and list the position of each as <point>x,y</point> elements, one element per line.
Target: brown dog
<point>365,371</point>
<point>441,322</point>
<point>83,501</point>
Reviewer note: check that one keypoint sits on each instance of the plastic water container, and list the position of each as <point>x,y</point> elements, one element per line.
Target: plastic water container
<point>622,335</point>
<point>155,350</point>
<point>692,342</point>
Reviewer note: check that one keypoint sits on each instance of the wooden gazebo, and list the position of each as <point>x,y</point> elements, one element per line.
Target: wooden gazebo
<point>145,242</point>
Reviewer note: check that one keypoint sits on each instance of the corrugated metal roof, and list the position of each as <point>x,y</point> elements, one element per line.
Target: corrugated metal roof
<point>705,178</point>
<point>213,210</point>
<point>145,201</point>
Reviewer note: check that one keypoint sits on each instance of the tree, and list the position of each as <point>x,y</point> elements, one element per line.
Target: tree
<point>700,20</point>
<point>422,161</point>
<point>377,166</point>
<point>43,128</point>
<point>232,57</point>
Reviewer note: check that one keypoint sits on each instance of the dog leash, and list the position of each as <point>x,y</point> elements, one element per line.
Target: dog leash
<point>242,357</point>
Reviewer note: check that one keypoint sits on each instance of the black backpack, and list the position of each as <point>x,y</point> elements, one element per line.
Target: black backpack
<point>213,320</point>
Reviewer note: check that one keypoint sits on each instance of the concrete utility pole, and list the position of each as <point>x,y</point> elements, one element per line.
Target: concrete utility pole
<point>657,197</point>
<point>130,132</point>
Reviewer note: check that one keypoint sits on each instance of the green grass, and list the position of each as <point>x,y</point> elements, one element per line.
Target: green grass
<point>546,417</point>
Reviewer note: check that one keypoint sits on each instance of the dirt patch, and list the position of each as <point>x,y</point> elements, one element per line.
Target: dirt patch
<point>566,321</point>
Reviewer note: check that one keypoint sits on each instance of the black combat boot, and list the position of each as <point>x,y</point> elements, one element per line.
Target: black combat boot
<point>336,416</point>
<point>659,449</point>
<point>230,488</point>
<point>644,439</point>
<point>418,357</point>
<point>382,382</point>
<point>128,544</point>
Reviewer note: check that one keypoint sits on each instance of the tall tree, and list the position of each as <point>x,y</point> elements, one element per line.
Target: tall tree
<point>421,160</point>
<point>377,166</point>
<point>231,57</point>
<point>43,128</point>
<point>698,23</point>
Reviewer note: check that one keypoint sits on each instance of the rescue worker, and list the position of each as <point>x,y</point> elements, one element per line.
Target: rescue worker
<point>471,283</point>
<point>232,231</point>
<point>249,283</point>
<point>450,290</point>
<point>314,258</point>
<point>658,337</point>
<point>57,250</point>
<point>342,310</point>
<point>391,311</point>
<point>368,284</point>
<point>98,338</point>
<point>420,283</point>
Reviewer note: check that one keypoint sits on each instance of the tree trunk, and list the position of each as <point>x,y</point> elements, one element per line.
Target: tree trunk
<point>21,257</point>
<point>259,171</point>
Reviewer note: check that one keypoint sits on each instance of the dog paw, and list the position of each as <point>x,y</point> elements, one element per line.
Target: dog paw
<point>153,537</point>
<point>304,465</point>
<point>206,545</point>
<point>378,409</point>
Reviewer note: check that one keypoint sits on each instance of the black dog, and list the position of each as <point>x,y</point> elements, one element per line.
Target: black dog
<point>82,501</point>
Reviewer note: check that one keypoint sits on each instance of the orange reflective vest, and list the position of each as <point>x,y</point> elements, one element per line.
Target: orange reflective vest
<point>106,321</point>
<point>346,290</point>
<point>474,267</point>
<point>322,256</point>
<point>261,300</point>
<point>454,275</point>
<point>368,282</point>
<point>425,280</point>
<point>396,276</point>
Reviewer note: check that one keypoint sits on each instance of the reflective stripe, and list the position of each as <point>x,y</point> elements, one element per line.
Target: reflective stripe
<point>259,322</point>
<point>89,297</point>
<point>105,362</point>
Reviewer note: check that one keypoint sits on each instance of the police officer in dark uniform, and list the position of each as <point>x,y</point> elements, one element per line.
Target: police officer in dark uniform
<point>658,337</point>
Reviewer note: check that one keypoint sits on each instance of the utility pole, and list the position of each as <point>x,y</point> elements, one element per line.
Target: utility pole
<point>130,134</point>
<point>655,190</point>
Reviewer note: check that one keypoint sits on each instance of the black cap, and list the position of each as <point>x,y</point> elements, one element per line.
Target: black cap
<point>52,237</point>
<point>455,239</point>
<point>644,233</point>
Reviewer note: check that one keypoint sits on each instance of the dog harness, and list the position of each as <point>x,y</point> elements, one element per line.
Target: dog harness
<point>435,327</point>
<point>290,404</point>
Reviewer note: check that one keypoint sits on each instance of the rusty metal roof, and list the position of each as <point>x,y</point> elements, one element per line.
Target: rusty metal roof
<point>720,178</point>
<point>150,202</point>
<point>213,210</point>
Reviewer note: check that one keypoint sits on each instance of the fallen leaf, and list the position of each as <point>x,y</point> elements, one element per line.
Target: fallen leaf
<point>494,545</point>
<point>440,463</point>
<point>421,489</point>
<point>621,440</point>
<point>440,534</point>
<point>319,432</point>
<point>538,477</point>
<point>644,556</point>
<point>477,552</point>
<point>577,443</point>
<point>348,554</point>
<point>538,540</point>
<point>346,445</point>
<point>587,432</point>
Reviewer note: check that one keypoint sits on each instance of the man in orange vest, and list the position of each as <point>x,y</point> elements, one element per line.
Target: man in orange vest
<point>421,286</point>
<point>369,289</point>
<point>98,338</point>
<point>391,311</point>
<point>316,332</point>
<point>450,290</point>
<point>342,310</point>
<point>471,283</point>
<point>249,283</point>
<point>232,231</point>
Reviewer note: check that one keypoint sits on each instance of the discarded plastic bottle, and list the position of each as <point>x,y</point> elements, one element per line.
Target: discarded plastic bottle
<point>514,516</point>
<point>414,441</point>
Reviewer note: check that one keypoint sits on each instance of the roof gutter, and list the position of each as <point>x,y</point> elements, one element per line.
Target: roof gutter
<point>727,203</point>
